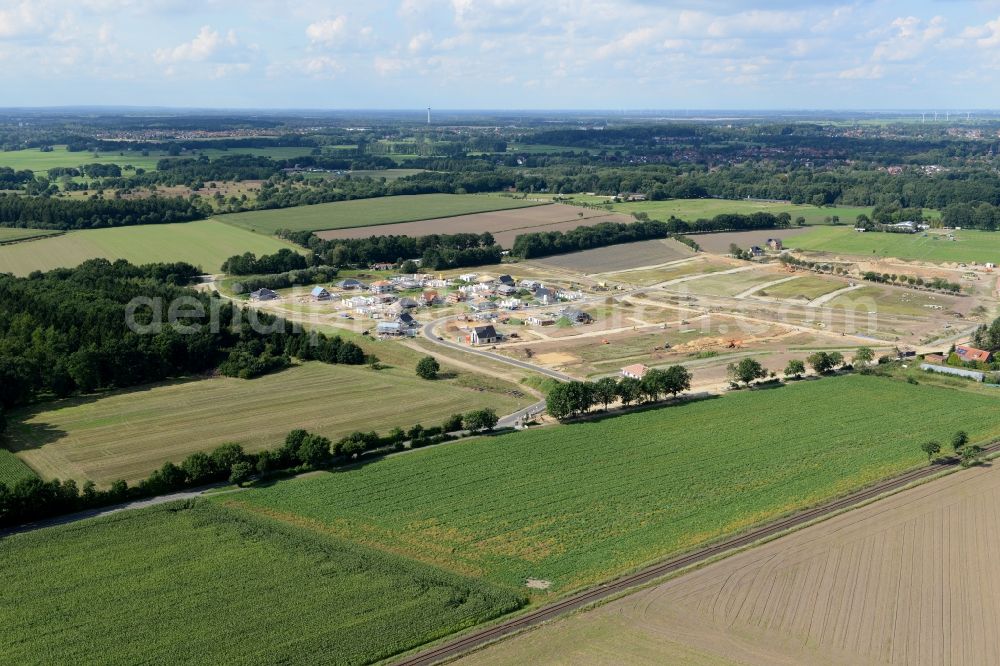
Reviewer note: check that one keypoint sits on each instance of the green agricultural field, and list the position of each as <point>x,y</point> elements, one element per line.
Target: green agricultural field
<point>578,504</point>
<point>13,469</point>
<point>968,246</point>
<point>205,243</point>
<point>185,583</point>
<point>9,235</point>
<point>127,434</point>
<point>367,212</point>
<point>39,162</point>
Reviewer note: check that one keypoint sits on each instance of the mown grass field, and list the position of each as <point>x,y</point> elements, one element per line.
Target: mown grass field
<point>577,504</point>
<point>968,246</point>
<point>13,469</point>
<point>9,235</point>
<point>202,583</point>
<point>127,434</point>
<point>205,243</point>
<point>805,287</point>
<point>369,212</point>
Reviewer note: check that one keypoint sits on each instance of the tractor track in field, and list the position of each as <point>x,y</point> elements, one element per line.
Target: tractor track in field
<point>631,582</point>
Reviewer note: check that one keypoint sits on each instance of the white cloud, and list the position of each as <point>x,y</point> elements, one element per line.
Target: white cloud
<point>867,71</point>
<point>420,41</point>
<point>24,19</point>
<point>327,31</point>
<point>322,67</point>
<point>984,36</point>
<point>911,36</point>
<point>206,44</point>
<point>387,66</point>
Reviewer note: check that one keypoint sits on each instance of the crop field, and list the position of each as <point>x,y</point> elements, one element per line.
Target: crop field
<point>968,246</point>
<point>371,212</point>
<point>577,504</point>
<point>505,225</point>
<point>620,257</point>
<point>13,469</point>
<point>204,243</point>
<point>10,235</point>
<point>908,580</point>
<point>127,434</point>
<point>804,287</point>
<point>184,583</point>
<point>718,243</point>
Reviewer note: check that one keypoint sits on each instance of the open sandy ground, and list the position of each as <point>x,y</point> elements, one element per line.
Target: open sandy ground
<point>910,579</point>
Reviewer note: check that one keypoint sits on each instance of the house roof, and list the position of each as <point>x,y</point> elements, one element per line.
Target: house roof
<point>350,282</point>
<point>405,318</point>
<point>381,283</point>
<point>636,370</point>
<point>486,331</point>
<point>967,353</point>
<point>264,291</point>
<point>318,291</point>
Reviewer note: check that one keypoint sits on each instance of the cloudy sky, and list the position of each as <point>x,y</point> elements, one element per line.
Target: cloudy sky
<point>493,54</point>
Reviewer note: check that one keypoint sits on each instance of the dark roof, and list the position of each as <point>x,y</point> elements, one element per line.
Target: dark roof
<point>486,331</point>
<point>506,279</point>
<point>406,318</point>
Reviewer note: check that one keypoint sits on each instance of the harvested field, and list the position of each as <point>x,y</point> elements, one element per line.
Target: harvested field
<point>727,284</point>
<point>910,579</point>
<point>365,213</point>
<point>719,243</point>
<point>505,225</point>
<point>621,257</point>
<point>127,434</point>
<point>901,301</point>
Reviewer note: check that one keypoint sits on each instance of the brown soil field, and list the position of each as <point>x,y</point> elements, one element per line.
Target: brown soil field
<point>719,243</point>
<point>621,257</point>
<point>909,579</point>
<point>505,225</point>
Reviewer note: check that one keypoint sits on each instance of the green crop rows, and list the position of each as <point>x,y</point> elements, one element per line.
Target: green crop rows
<point>207,584</point>
<point>578,504</point>
<point>12,469</point>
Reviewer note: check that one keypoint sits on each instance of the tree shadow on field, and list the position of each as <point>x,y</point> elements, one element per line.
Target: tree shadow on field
<point>25,433</point>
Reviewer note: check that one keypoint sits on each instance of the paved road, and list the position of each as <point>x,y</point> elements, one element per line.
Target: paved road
<point>629,583</point>
<point>114,508</point>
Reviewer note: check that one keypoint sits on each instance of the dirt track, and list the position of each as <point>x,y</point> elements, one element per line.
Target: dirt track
<point>910,579</point>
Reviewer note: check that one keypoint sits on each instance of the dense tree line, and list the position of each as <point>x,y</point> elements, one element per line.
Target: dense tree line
<point>282,261</point>
<point>546,243</point>
<point>95,213</point>
<point>436,251</point>
<point>985,216</point>
<point>67,331</point>
<point>570,399</point>
<point>314,275</point>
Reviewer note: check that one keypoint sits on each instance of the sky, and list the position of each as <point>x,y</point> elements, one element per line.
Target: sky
<point>502,54</point>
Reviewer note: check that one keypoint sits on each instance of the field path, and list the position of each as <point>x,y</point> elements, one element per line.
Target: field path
<point>826,298</point>
<point>689,278</point>
<point>766,285</point>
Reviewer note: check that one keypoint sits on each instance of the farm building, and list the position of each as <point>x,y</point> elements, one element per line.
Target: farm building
<point>350,283</point>
<point>774,243</point>
<point>263,294</point>
<point>320,294</point>
<point>973,355</point>
<point>635,371</point>
<point>484,335</point>
<point>757,251</point>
